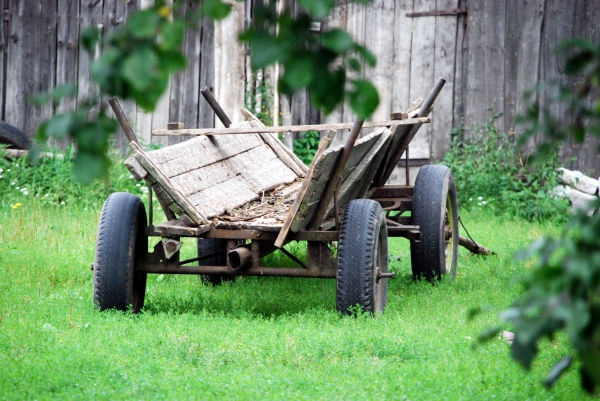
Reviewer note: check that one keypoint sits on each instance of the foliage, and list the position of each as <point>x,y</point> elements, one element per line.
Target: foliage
<point>310,61</point>
<point>306,146</point>
<point>491,173</point>
<point>137,59</point>
<point>562,293</point>
<point>256,338</point>
<point>52,183</point>
<point>259,100</point>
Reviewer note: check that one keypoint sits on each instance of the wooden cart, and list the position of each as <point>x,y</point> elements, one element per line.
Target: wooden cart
<point>243,195</point>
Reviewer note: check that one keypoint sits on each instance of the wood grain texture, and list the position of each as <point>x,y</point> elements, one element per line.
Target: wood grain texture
<point>31,58</point>
<point>443,66</point>
<point>67,49</point>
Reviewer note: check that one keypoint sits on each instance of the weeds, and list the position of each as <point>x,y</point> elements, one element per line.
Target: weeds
<point>306,146</point>
<point>491,173</point>
<point>51,182</point>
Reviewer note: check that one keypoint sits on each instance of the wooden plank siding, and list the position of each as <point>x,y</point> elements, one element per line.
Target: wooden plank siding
<point>490,56</point>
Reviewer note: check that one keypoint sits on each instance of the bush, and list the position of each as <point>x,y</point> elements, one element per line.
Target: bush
<point>51,182</point>
<point>490,172</point>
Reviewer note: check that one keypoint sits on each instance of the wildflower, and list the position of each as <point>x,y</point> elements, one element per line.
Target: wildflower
<point>479,203</point>
<point>470,199</point>
<point>16,205</point>
<point>480,198</point>
<point>13,183</point>
<point>483,202</point>
<point>1,170</point>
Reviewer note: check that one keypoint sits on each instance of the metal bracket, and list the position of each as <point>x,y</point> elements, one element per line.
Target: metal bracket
<point>437,13</point>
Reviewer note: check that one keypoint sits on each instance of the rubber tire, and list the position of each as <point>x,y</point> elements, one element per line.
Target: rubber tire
<point>218,247</point>
<point>362,251</point>
<point>13,137</point>
<point>120,246</point>
<point>434,201</point>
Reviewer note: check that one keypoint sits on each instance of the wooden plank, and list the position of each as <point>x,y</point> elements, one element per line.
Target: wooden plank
<point>185,88</point>
<point>322,174</point>
<point>199,153</point>
<point>213,201</point>
<point>485,65</point>
<point>90,15</point>
<point>401,61</point>
<point>285,154</point>
<point>30,62</point>
<point>174,193</point>
<point>67,49</point>
<point>421,70</point>
<point>206,116</point>
<point>323,145</point>
<point>180,228</point>
<point>229,65</point>
<point>444,55</point>
<point>288,128</point>
<point>379,16</point>
<point>357,183</point>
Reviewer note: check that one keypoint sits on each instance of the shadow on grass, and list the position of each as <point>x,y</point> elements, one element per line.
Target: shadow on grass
<point>264,297</point>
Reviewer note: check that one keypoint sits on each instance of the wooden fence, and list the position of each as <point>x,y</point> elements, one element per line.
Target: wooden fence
<point>491,52</point>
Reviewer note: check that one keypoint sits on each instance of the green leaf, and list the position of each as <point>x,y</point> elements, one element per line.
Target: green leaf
<point>489,334</point>
<point>59,126</point>
<point>89,38</point>
<point>88,166</point>
<point>140,68</point>
<point>298,73</point>
<point>367,55</point>
<point>265,50</point>
<point>364,99</point>
<point>172,35</point>
<point>144,23</point>
<point>215,9</point>
<point>338,40</point>
<point>557,370</point>
<point>524,352</point>
<point>317,8</point>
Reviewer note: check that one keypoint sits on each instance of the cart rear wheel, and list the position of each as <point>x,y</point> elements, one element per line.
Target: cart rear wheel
<point>12,136</point>
<point>435,210</point>
<point>120,246</point>
<point>362,255</point>
<point>217,247</point>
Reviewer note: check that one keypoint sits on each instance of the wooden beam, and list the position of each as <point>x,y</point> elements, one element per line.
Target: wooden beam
<point>289,128</point>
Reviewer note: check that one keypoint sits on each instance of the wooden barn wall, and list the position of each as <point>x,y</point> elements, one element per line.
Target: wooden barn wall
<point>490,55</point>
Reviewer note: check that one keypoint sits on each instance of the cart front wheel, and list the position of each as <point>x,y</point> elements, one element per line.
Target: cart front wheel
<point>435,211</point>
<point>362,257</point>
<point>120,246</point>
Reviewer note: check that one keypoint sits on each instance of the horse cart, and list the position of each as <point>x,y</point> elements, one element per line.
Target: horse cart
<point>244,195</point>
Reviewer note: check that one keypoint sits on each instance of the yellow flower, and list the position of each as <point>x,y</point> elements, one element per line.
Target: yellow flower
<point>164,11</point>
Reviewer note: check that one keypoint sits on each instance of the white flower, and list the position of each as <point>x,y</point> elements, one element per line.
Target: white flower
<point>479,203</point>
<point>62,203</point>
<point>483,203</point>
<point>18,187</point>
<point>480,198</point>
<point>470,199</point>
<point>13,183</point>
<point>1,170</point>
<point>25,192</point>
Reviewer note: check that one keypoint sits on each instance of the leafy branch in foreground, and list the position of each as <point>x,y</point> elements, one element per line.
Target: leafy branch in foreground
<point>562,293</point>
<point>138,58</point>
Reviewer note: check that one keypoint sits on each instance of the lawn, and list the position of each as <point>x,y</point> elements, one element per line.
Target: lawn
<point>257,338</point>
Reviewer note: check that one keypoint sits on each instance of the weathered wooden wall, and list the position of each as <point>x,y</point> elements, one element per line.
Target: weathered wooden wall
<point>490,55</point>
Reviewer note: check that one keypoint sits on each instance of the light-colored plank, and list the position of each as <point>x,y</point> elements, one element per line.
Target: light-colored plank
<point>287,128</point>
<point>213,201</point>
<point>285,154</point>
<point>173,192</point>
<point>421,71</point>
<point>323,145</point>
<point>444,58</point>
<point>229,63</point>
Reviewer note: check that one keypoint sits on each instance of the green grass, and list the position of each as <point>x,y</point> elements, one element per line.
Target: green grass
<point>256,338</point>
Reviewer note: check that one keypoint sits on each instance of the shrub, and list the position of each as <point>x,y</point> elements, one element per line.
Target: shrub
<point>51,181</point>
<point>491,172</point>
<point>306,146</point>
